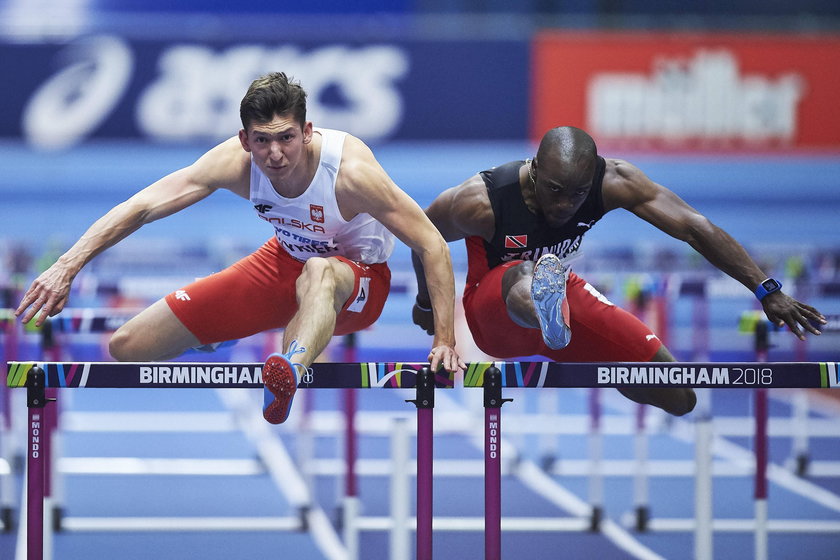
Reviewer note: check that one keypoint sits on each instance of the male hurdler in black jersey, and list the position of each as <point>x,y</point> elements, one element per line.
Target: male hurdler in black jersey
<point>513,214</point>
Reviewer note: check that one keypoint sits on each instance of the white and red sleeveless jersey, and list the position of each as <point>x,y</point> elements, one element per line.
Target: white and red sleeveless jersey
<point>310,225</point>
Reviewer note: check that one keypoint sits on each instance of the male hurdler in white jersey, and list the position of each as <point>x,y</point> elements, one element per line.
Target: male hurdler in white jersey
<point>334,212</point>
<point>311,224</point>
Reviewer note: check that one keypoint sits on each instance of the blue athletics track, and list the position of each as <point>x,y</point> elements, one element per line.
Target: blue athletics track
<point>195,473</point>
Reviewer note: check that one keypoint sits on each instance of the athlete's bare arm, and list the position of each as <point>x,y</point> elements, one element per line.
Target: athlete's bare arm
<point>463,211</point>
<point>364,187</point>
<point>626,186</point>
<point>224,166</point>
<point>459,212</point>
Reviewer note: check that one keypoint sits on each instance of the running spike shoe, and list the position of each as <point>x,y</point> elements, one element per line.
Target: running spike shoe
<point>548,292</point>
<point>280,378</point>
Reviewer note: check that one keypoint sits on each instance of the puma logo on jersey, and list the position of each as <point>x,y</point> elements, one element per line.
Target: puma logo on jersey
<point>650,337</point>
<point>586,224</point>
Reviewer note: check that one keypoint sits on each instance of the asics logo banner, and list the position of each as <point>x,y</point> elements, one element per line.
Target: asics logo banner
<point>93,75</point>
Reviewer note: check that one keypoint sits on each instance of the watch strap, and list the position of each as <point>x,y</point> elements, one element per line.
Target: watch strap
<point>767,287</point>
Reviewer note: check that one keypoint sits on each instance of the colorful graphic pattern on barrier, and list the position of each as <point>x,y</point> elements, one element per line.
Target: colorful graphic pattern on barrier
<point>746,375</point>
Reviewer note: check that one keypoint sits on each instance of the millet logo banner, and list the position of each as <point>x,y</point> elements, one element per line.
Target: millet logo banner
<point>688,91</point>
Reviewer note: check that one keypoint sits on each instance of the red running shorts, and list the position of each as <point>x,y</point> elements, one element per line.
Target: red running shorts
<point>257,294</point>
<point>601,332</point>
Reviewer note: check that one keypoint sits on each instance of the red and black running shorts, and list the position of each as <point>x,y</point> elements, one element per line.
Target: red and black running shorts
<point>601,332</point>
<point>257,294</point>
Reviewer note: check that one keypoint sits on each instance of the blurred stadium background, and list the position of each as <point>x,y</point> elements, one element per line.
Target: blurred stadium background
<point>731,104</point>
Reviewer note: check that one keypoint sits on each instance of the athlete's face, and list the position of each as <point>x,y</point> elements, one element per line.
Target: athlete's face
<point>278,146</point>
<point>559,191</point>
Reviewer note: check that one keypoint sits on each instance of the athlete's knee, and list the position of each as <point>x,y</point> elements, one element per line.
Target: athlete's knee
<point>317,274</point>
<point>677,401</point>
<point>516,293</point>
<point>517,276</point>
<point>686,402</point>
<point>663,355</point>
<point>126,345</point>
<point>520,307</point>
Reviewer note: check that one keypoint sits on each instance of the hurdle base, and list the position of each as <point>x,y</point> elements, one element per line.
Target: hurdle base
<point>642,518</point>
<point>57,513</point>
<point>595,519</point>
<point>7,518</point>
<point>180,524</point>
<point>803,461</point>
<point>547,463</point>
<point>18,463</point>
<point>303,516</point>
<point>747,525</point>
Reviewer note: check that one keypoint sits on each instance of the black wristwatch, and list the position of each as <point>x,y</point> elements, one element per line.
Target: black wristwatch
<point>420,306</point>
<point>767,287</point>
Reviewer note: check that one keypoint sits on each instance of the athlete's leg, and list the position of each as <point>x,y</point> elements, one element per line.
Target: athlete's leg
<point>673,400</point>
<point>516,292</point>
<point>322,289</point>
<point>154,334</point>
<point>245,298</point>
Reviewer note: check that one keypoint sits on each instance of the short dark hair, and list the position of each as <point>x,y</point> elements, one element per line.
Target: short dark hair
<point>271,95</point>
<point>569,142</point>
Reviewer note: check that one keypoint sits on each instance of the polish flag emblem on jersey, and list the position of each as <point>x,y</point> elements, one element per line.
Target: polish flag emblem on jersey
<point>316,213</point>
<point>516,241</point>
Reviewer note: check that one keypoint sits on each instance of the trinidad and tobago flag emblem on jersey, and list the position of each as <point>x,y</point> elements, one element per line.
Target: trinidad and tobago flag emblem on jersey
<point>516,241</point>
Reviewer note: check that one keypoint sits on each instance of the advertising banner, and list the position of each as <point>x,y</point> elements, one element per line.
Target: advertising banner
<point>689,91</point>
<point>58,95</point>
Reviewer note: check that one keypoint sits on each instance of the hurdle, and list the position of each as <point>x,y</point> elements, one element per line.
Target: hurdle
<point>8,352</point>
<point>37,377</point>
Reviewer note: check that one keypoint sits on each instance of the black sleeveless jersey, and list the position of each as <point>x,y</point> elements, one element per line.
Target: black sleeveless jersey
<point>519,233</point>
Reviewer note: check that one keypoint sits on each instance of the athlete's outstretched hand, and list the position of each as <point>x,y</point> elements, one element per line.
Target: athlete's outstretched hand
<point>782,309</point>
<point>424,317</point>
<point>48,295</point>
<point>447,357</point>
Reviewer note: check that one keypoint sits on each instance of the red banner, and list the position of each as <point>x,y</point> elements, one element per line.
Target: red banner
<point>689,91</point>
